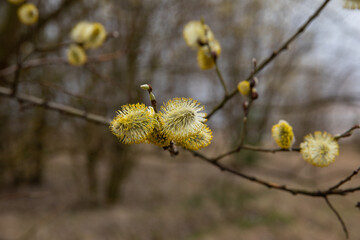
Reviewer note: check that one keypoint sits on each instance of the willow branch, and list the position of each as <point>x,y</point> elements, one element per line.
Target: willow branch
<point>60,89</point>
<point>55,47</point>
<point>348,133</point>
<point>338,217</point>
<point>269,150</point>
<point>273,55</point>
<point>65,109</point>
<point>345,180</point>
<point>255,149</point>
<point>56,61</point>
<point>280,187</point>
<point>348,100</point>
<point>15,83</point>
<point>221,78</point>
<point>62,108</point>
<point>274,150</point>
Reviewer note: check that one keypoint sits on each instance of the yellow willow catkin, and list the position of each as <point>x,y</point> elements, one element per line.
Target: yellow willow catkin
<point>181,117</point>
<point>133,123</point>
<point>319,149</point>
<point>28,14</point>
<point>76,55</point>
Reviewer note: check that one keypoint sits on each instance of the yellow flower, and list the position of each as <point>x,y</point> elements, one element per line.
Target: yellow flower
<point>283,134</point>
<point>28,14</point>
<point>96,35</point>
<point>182,117</point>
<point>320,150</point>
<point>16,2</point>
<point>198,140</point>
<point>80,32</point>
<point>91,35</point>
<point>197,34</point>
<point>205,57</point>
<point>158,136</point>
<point>352,4</point>
<point>215,47</point>
<point>76,55</point>
<point>133,123</point>
<point>244,88</point>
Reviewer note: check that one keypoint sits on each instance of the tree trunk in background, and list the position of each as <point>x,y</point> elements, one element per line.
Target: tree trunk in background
<point>93,147</point>
<point>28,159</point>
<point>120,165</point>
<point>37,147</point>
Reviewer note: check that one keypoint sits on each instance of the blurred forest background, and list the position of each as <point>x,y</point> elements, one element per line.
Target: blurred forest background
<point>66,178</point>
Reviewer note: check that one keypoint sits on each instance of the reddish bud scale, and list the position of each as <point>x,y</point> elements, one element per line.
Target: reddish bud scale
<point>254,95</point>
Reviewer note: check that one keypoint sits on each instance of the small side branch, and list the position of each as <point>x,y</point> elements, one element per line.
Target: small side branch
<point>62,108</point>
<point>348,133</point>
<point>338,217</point>
<point>281,187</point>
<point>274,54</point>
<point>221,78</point>
<point>15,82</point>
<point>39,62</point>
<point>345,180</point>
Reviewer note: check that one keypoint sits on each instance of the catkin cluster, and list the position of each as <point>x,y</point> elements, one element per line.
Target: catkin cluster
<point>180,121</point>
<point>319,149</point>
<point>85,35</point>
<point>199,37</point>
<point>28,13</point>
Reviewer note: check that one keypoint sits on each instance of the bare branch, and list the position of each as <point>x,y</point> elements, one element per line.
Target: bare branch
<point>104,121</point>
<point>56,61</point>
<point>274,54</point>
<point>338,217</point>
<point>274,150</point>
<point>347,133</point>
<point>345,180</point>
<point>56,106</point>
<point>14,85</point>
<point>50,48</point>
<point>281,187</point>
<point>221,78</point>
<point>269,150</point>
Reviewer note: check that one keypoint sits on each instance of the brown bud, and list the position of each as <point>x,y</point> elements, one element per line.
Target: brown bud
<point>214,56</point>
<point>245,106</point>
<point>254,94</point>
<point>252,83</point>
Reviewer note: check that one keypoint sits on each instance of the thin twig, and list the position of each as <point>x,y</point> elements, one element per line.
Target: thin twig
<point>14,85</point>
<point>345,180</point>
<point>348,100</point>
<point>281,187</point>
<point>338,217</point>
<point>255,149</point>
<point>274,150</point>
<point>347,133</point>
<point>269,150</point>
<point>221,78</point>
<point>215,57</point>
<point>247,106</point>
<point>55,47</point>
<point>273,55</point>
<point>62,108</point>
<point>58,88</point>
<point>56,61</point>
